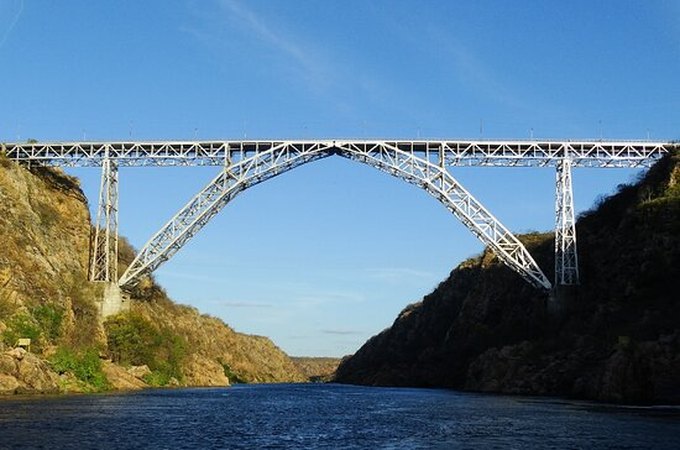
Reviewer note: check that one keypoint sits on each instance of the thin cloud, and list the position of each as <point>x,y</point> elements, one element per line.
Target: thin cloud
<point>13,23</point>
<point>311,66</point>
<point>342,332</point>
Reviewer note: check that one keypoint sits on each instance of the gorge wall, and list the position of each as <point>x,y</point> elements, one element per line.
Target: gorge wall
<point>45,296</point>
<point>618,339</point>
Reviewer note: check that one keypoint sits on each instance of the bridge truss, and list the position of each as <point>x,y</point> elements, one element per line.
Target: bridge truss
<point>424,163</point>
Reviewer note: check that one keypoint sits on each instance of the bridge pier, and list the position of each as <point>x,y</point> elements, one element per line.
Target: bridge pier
<point>104,260</point>
<point>566,256</point>
<point>561,299</point>
<point>113,301</point>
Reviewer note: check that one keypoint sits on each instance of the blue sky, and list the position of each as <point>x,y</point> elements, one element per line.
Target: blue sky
<point>323,257</point>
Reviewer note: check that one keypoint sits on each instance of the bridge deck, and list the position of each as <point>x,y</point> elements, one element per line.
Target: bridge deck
<point>451,152</point>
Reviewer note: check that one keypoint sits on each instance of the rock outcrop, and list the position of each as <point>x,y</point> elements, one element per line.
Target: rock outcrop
<point>23,372</point>
<point>485,329</point>
<point>124,380</point>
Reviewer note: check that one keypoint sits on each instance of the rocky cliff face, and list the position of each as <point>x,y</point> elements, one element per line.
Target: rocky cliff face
<point>618,338</point>
<point>45,296</point>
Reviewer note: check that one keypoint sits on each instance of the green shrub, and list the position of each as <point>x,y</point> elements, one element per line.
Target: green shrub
<point>84,364</point>
<point>49,318</point>
<point>157,378</point>
<point>134,340</point>
<point>234,378</point>
<point>131,339</point>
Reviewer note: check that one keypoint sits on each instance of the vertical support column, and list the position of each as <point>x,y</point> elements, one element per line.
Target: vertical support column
<point>566,257</point>
<point>104,262</point>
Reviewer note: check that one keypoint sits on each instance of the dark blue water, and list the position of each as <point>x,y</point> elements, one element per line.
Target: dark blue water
<point>327,417</point>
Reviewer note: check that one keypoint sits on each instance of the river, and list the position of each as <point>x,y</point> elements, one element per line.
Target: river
<point>318,416</point>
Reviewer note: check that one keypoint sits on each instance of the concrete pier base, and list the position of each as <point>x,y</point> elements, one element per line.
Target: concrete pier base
<point>113,301</point>
<point>561,299</point>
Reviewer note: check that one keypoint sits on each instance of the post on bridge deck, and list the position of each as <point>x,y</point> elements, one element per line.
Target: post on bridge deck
<point>566,256</point>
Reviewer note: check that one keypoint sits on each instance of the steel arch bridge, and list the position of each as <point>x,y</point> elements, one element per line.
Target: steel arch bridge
<point>424,163</point>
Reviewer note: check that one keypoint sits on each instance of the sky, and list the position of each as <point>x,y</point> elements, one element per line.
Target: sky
<point>325,256</point>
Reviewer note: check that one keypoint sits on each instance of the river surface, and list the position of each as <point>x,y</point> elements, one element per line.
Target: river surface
<point>316,416</point>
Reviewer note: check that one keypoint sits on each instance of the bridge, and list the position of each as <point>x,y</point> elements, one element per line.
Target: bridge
<point>424,163</point>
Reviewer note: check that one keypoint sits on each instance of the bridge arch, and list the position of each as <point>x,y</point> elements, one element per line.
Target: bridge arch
<point>427,172</point>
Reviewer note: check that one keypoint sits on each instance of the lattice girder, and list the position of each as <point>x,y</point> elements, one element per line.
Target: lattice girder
<point>508,153</point>
<point>231,180</point>
<point>437,181</point>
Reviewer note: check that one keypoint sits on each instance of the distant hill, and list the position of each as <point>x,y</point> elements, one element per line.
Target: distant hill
<point>317,369</point>
<point>485,329</point>
<point>45,296</point>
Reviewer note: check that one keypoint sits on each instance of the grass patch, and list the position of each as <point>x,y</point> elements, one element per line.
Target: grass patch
<point>84,364</point>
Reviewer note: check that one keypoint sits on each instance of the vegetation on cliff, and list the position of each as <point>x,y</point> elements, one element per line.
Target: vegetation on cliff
<point>45,296</point>
<point>618,339</point>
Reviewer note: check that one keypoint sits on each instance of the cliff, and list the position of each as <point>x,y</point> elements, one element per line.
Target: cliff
<point>45,296</point>
<point>618,338</point>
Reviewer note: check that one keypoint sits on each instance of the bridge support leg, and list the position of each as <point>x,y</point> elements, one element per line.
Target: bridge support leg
<point>104,251</point>
<point>566,257</point>
<point>113,301</point>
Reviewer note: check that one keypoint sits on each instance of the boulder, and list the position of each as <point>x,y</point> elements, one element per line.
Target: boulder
<point>8,384</point>
<point>139,371</point>
<point>202,371</point>
<point>37,375</point>
<point>8,365</point>
<point>120,378</point>
<point>17,353</point>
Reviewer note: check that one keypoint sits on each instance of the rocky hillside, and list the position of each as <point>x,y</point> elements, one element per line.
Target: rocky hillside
<point>45,296</point>
<point>618,338</point>
<point>317,369</point>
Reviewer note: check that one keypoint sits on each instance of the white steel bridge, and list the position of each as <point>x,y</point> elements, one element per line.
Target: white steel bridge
<point>424,163</point>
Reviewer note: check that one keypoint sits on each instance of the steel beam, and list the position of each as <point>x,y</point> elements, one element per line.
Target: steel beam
<point>566,255</point>
<point>104,250</point>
